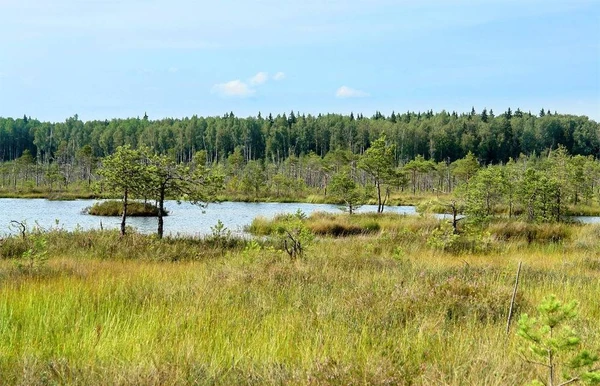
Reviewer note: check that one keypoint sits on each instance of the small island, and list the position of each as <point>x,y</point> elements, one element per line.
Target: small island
<point>115,208</point>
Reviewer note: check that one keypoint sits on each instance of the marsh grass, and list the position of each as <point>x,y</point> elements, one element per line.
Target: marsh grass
<point>583,210</point>
<point>374,308</point>
<point>530,232</point>
<point>340,225</point>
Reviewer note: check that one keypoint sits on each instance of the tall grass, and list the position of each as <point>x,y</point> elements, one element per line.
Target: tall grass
<point>378,308</point>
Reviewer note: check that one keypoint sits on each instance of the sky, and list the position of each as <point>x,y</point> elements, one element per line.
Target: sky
<point>104,59</point>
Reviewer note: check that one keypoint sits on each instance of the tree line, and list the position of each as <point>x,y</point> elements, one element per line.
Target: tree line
<point>347,159</point>
<point>441,136</point>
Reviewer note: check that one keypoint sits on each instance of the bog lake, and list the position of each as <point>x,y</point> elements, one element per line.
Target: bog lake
<point>184,219</point>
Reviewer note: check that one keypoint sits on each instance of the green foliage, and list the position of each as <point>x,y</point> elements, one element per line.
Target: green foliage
<point>253,178</point>
<point>466,167</point>
<point>140,173</point>
<point>220,236</point>
<point>123,173</point>
<point>443,238</point>
<point>378,162</point>
<point>281,158</point>
<point>294,236</point>
<point>417,167</point>
<point>552,343</point>
<point>433,206</point>
<point>483,192</point>
<point>540,195</point>
<point>471,239</point>
<point>35,258</point>
<point>344,188</point>
<point>192,182</point>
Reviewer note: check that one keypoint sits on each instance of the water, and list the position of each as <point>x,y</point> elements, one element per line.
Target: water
<point>586,219</point>
<point>185,219</point>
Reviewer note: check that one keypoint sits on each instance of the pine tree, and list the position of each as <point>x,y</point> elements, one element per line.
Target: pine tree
<point>553,344</point>
<point>484,116</point>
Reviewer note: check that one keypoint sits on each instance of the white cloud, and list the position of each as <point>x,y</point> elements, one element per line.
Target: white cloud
<point>233,88</point>
<point>259,78</point>
<point>347,92</point>
<point>238,88</point>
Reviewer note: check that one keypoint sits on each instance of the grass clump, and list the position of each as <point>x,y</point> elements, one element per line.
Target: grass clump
<point>115,208</point>
<point>341,225</point>
<point>531,232</point>
<point>325,227</point>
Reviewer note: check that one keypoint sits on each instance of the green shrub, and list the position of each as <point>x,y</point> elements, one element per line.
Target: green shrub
<point>33,260</point>
<point>553,344</point>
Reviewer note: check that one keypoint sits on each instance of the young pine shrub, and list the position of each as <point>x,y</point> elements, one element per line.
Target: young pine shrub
<point>34,259</point>
<point>552,344</point>
<point>443,238</point>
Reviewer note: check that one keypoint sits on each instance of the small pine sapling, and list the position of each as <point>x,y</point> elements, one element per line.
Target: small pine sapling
<point>556,346</point>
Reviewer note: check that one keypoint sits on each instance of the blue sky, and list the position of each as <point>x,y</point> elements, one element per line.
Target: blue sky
<point>120,58</point>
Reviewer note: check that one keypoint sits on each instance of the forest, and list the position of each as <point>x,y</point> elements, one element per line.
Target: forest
<point>439,136</point>
<point>292,156</point>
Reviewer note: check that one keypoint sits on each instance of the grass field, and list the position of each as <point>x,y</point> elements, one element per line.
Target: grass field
<point>376,308</point>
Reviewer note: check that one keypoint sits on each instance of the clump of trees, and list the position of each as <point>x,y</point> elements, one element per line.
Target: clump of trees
<point>537,189</point>
<point>139,173</point>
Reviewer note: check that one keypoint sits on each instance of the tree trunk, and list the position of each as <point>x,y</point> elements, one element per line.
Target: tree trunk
<point>161,205</point>
<point>379,205</point>
<point>124,217</point>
